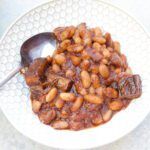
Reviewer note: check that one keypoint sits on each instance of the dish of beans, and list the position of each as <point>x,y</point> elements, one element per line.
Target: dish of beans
<point>84,83</point>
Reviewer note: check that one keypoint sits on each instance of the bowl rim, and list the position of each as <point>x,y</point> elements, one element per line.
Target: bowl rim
<point>84,147</point>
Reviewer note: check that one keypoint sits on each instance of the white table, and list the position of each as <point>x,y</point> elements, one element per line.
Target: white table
<point>11,139</point>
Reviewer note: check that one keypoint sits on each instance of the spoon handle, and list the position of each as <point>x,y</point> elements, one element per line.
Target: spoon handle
<point>9,76</point>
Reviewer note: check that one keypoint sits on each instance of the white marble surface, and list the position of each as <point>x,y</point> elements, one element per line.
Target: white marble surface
<point>11,139</point>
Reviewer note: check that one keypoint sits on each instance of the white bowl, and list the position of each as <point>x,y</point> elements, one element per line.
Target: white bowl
<point>14,97</point>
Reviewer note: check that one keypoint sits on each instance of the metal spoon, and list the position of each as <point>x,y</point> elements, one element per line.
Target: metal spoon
<point>40,45</point>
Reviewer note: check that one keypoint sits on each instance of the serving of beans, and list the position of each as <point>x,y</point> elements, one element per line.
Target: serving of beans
<point>84,83</point>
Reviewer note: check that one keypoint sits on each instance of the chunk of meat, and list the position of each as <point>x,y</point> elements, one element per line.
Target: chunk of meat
<point>62,83</point>
<point>37,90</point>
<point>35,72</point>
<point>116,60</point>
<point>60,125</point>
<point>130,87</point>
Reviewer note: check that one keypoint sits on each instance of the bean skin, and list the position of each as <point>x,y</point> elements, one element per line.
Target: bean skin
<point>104,71</point>
<point>51,95</point>
<point>67,96</point>
<point>86,80</point>
<point>77,104</point>
<point>116,105</point>
<point>93,99</point>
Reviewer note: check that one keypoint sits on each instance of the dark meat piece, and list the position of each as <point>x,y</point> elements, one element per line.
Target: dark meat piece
<point>62,83</point>
<point>116,60</point>
<point>37,90</point>
<point>130,87</point>
<point>34,74</point>
<point>114,85</point>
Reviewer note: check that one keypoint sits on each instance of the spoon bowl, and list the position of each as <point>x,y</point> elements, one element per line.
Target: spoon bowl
<point>36,46</point>
<point>39,45</point>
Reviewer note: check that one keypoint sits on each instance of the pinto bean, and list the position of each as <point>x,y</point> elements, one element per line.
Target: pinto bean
<point>104,71</point>
<point>82,91</point>
<point>97,32</point>
<point>77,38</point>
<point>77,104</point>
<point>51,95</point>
<point>60,59</point>
<point>106,53</point>
<point>97,120</point>
<point>99,91</point>
<point>107,115</point>
<point>95,80</point>
<point>129,71</point>
<point>59,124</point>
<point>95,69</point>
<point>87,38</point>
<point>104,61</point>
<point>36,105</point>
<point>70,73</point>
<point>65,44</point>
<point>85,55</point>
<point>55,68</point>
<point>99,40</point>
<point>116,46</point>
<point>111,93</point>
<point>97,46</point>
<point>91,90</point>
<point>115,105</point>
<point>67,96</point>
<point>85,64</point>
<point>86,80</point>
<point>92,98</point>
<point>59,103</point>
<point>77,48</point>
<point>75,60</point>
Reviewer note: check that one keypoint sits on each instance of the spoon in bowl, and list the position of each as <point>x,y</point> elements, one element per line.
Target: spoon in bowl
<point>39,45</point>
